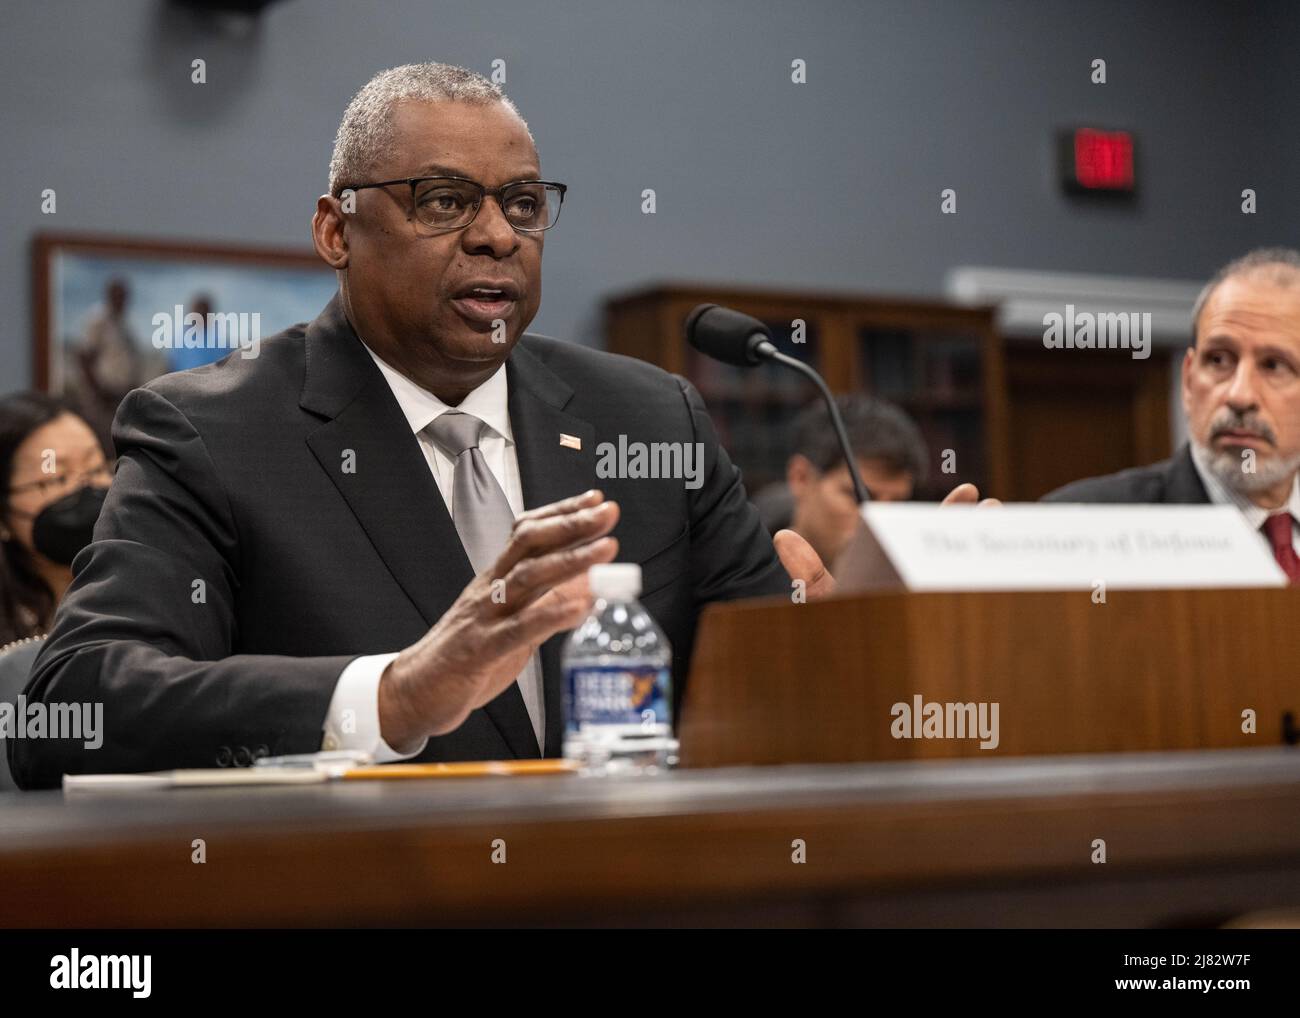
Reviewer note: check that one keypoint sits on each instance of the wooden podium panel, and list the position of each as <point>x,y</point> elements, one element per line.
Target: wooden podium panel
<point>774,682</point>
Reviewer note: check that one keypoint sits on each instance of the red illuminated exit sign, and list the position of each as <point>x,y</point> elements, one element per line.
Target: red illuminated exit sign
<point>1097,162</point>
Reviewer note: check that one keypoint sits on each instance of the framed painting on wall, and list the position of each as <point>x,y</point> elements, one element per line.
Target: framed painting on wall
<point>110,314</point>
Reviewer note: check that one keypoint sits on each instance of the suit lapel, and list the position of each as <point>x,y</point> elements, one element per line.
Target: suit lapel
<point>1183,484</point>
<point>550,468</point>
<point>366,448</point>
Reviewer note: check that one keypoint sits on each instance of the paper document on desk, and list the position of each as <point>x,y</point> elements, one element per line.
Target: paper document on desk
<point>313,769</point>
<point>215,777</point>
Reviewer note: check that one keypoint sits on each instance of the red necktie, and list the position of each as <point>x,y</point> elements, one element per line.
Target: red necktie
<point>1278,530</point>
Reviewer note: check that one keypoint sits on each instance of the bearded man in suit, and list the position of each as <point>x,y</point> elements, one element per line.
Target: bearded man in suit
<point>1241,394</point>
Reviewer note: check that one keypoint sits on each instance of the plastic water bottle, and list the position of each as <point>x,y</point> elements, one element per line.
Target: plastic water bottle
<point>617,681</point>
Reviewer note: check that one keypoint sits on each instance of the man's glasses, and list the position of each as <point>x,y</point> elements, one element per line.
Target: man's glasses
<point>451,203</point>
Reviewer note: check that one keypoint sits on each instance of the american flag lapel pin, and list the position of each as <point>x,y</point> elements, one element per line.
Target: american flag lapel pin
<point>570,441</point>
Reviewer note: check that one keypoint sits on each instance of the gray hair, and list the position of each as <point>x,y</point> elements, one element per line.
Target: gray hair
<point>1278,265</point>
<point>366,132</point>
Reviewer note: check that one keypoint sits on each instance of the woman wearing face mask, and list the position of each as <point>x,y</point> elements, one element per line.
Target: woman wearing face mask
<point>53,478</point>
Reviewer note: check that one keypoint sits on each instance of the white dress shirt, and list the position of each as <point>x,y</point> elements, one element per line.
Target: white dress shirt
<point>352,721</point>
<point>1221,494</point>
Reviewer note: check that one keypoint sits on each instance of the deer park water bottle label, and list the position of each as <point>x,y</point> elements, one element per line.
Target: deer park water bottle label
<point>617,695</point>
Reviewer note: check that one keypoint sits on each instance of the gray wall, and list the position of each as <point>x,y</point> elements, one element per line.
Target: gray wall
<point>834,184</point>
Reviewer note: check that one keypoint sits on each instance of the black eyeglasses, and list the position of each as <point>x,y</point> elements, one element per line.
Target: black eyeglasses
<point>451,203</point>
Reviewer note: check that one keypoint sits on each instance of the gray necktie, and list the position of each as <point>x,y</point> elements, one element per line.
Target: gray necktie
<point>483,519</point>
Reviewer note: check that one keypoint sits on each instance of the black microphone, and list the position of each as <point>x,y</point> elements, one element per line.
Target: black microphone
<point>735,338</point>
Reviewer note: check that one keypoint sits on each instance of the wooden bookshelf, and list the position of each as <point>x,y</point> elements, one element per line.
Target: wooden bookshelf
<point>941,363</point>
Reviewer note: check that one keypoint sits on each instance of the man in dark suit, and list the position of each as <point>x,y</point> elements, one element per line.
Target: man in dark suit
<point>1174,481</point>
<point>286,559</point>
<point>1241,394</point>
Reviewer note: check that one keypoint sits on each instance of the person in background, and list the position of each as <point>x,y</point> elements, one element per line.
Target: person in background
<point>109,360</point>
<point>55,476</point>
<point>181,357</point>
<point>1241,394</point>
<point>817,499</point>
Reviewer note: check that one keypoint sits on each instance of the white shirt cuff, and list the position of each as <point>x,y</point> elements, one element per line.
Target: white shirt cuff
<point>352,721</point>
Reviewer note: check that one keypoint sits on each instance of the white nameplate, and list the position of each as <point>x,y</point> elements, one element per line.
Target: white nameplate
<point>920,546</point>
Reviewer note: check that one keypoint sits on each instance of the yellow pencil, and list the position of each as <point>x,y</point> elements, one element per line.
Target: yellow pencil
<point>468,769</point>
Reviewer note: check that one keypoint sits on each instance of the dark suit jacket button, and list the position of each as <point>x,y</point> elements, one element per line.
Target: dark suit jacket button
<point>223,756</point>
<point>243,758</point>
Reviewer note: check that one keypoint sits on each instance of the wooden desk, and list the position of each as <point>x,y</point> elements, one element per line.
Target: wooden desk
<point>1191,838</point>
